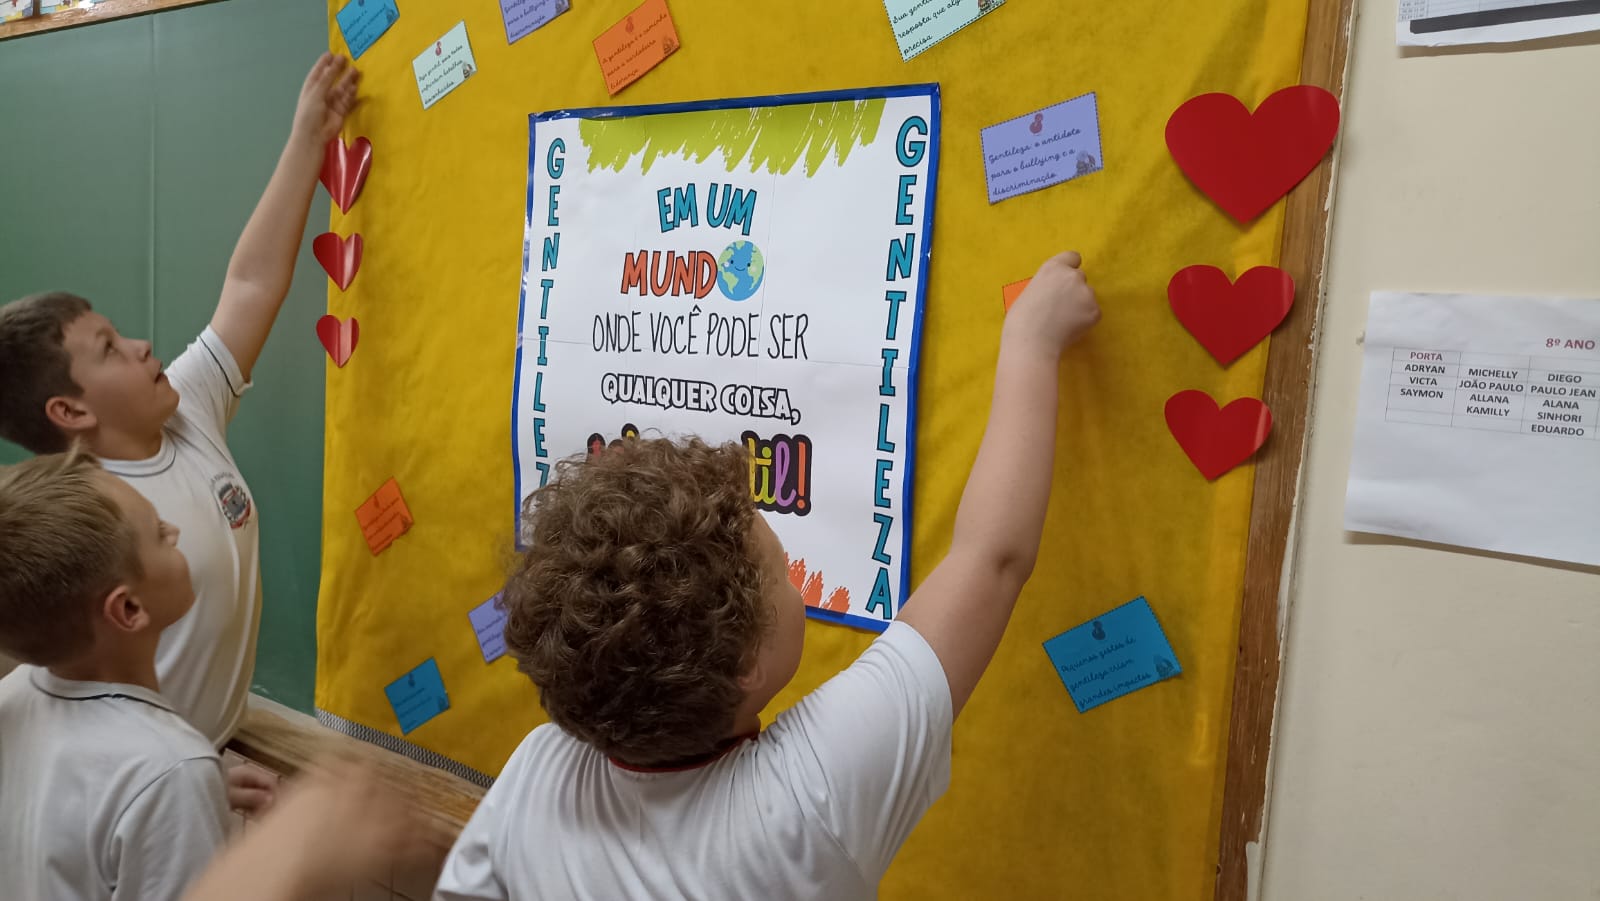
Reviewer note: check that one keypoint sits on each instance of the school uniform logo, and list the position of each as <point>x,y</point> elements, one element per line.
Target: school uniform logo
<point>232,499</point>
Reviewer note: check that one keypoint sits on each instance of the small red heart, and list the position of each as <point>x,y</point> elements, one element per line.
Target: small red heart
<point>1217,440</point>
<point>1246,161</point>
<point>1230,318</point>
<point>344,170</point>
<point>339,337</point>
<point>340,257</point>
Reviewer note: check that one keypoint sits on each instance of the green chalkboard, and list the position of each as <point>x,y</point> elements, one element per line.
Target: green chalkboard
<point>131,154</point>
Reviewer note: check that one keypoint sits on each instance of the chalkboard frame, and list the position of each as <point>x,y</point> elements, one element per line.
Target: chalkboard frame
<point>104,11</point>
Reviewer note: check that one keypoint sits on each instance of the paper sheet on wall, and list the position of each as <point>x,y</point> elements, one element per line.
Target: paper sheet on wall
<point>1477,424</point>
<point>1447,23</point>
<point>718,269</point>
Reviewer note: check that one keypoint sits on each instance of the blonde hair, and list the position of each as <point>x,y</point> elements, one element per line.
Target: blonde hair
<point>64,545</point>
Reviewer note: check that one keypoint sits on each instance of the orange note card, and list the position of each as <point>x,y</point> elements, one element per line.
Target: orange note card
<point>1010,293</point>
<point>384,517</point>
<point>636,45</point>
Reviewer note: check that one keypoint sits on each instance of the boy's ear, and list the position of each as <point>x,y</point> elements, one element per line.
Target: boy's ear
<point>69,414</point>
<point>124,611</point>
<point>754,677</point>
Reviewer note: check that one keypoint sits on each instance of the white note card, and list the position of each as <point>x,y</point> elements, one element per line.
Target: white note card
<point>442,67</point>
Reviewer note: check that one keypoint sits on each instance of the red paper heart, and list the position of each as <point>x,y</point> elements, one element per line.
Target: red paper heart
<point>1217,440</point>
<point>1229,318</point>
<point>339,337</point>
<point>340,257</point>
<point>344,170</point>
<point>1246,162</point>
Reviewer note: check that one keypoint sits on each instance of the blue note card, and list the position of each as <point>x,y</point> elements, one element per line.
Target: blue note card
<point>489,621</point>
<point>362,22</point>
<point>1043,148</point>
<point>919,24</point>
<point>1112,655</point>
<point>418,696</point>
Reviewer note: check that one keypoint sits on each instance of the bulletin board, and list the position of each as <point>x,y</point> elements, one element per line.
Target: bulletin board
<point>1155,795</point>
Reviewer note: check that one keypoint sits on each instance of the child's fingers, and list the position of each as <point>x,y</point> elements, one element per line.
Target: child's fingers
<point>342,95</point>
<point>342,104</point>
<point>326,77</point>
<point>318,73</point>
<point>246,776</point>
<point>254,801</point>
<point>347,91</point>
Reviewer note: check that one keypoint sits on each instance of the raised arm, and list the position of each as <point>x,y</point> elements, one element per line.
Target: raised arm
<point>263,261</point>
<point>962,608</point>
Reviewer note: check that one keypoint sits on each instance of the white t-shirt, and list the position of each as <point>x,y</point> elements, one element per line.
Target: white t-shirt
<point>814,808</point>
<point>207,658</point>
<point>105,793</point>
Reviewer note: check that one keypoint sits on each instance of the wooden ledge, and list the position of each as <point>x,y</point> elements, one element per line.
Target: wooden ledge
<point>104,11</point>
<point>287,747</point>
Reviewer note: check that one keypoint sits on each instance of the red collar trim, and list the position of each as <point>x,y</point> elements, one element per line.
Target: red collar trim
<point>694,763</point>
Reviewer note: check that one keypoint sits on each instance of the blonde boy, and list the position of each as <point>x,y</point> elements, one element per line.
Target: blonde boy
<point>105,791</point>
<point>655,614</point>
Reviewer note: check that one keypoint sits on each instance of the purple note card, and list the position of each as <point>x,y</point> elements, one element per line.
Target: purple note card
<point>489,621</point>
<point>1043,148</point>
<point>523,16</point>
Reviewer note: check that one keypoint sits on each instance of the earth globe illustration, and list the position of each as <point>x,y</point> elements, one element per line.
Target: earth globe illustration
<point>740,268</point>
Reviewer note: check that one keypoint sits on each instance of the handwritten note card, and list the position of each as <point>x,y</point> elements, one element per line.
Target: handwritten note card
<point>418,696</point>
<point>523,17</point>
<point>1043,148</point>
<point>1112,655</point>
<point>919,24</point>
<point>444,66</point>
<point>636,45</point>
<point>489,621</point>
<point>384,517</point>
<point>362,22</point>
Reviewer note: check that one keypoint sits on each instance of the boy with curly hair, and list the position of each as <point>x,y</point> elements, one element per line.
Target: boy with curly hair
<point>655,615</point>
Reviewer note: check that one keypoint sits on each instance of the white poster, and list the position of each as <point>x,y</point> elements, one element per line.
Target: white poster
<point>743,270</point>
<point>1447,23</point>
<point>1477,424</point>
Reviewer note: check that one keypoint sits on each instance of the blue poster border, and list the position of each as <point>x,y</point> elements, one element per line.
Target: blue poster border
<point>929,90</point>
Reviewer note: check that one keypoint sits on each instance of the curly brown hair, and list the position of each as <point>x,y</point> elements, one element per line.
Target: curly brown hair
<point>640,601</point>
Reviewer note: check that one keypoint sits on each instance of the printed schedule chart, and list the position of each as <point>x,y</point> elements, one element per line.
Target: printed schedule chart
<point>1536,396</point>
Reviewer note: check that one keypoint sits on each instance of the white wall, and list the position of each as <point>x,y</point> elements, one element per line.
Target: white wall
<point>1439,727</point>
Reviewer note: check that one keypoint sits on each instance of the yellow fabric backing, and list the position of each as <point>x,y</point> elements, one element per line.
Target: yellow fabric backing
<point>1120,803</point>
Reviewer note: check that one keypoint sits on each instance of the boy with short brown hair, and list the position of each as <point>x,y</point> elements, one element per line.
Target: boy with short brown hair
<point>107,793</point>
<point>655,614</point>
<point>67,374</point>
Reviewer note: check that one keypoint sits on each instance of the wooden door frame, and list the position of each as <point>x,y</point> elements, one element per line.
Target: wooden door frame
<point>1287,392</point>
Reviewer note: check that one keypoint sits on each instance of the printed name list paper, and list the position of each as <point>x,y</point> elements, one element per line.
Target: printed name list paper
<point>1477,424</point>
